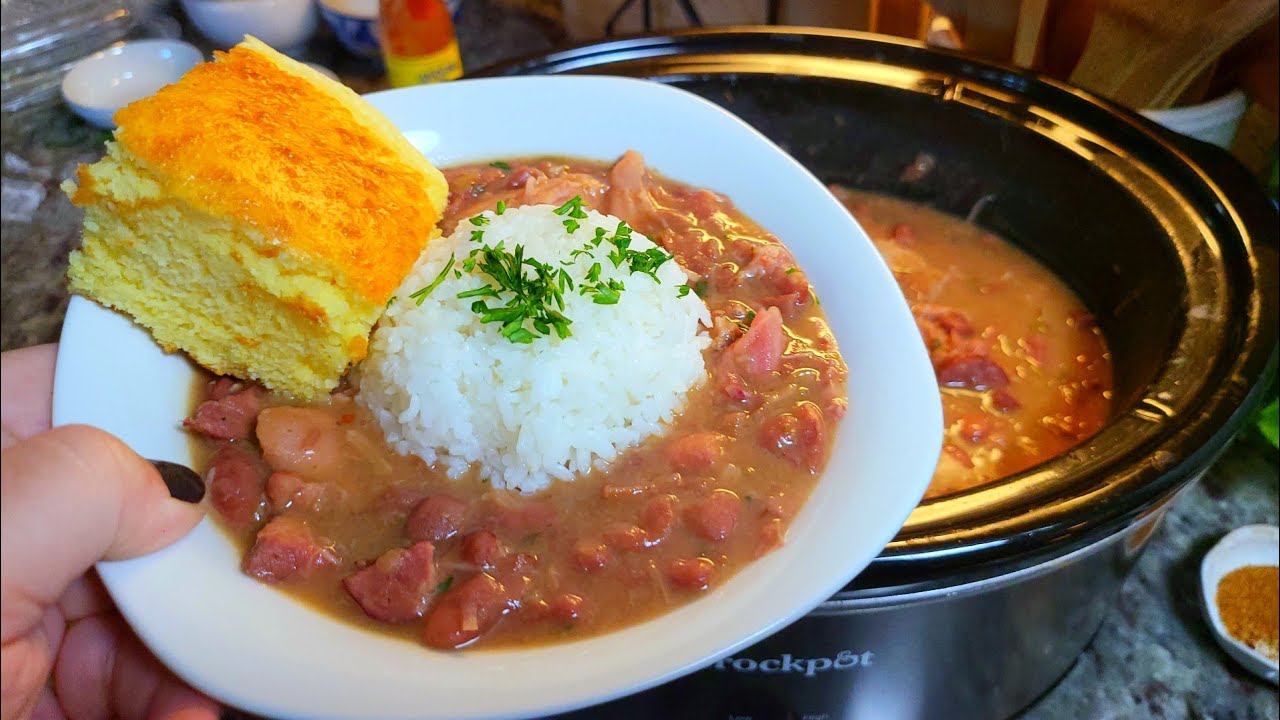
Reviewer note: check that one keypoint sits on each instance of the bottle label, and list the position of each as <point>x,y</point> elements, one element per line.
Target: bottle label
<point>443,64</point>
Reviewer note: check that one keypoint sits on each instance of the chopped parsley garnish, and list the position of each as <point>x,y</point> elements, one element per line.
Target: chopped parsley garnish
<point>525,296</point>
<point>792,270</point>
<point>500,165</point>
<point>700,288</point>
<point>422,294</point>
<point>573,209</point>
<point>537,298</point>
<point>391,301</point>
<point>444,584</point>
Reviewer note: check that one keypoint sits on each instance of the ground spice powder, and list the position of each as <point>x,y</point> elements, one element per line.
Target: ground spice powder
<point>1249,604</point>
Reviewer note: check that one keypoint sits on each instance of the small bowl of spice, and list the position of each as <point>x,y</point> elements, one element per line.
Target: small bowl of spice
<point>1240,579</point>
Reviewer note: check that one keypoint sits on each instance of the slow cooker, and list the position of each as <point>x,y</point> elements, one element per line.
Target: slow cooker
<point>985,598</point>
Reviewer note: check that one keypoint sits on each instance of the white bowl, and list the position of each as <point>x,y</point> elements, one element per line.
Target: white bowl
<point>1249,545</point>
<point>102,83</point>
<point>283,24</point>
<point>253,646</point>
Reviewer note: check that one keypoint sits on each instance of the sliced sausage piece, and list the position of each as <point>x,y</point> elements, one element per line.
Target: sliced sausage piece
<point>438,517</point>
<point>300,440</point>
<point>798,436</point>
<point>235,480</point>
<point>715,516</point>
<point>397,586</point>
<point>481,548</point>
<point>466,611</point>
<point>697,451</point>
<point>285,550</point>
<point>691,573</point>
<point>231,417</point>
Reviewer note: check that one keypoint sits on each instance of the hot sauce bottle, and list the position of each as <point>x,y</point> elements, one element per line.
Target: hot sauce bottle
<point>418,42</point>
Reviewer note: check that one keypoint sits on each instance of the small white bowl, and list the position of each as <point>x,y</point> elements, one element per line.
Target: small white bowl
<point>285,25</point>
<point>1249,545</point>
<point>102,83</point>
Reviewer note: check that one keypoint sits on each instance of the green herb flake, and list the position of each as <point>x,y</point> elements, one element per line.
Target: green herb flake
<point>792,270</point>
<point>477,236</point>
<point>572,205</point>
<point>505,167</point>
<point>391,301</point>
<point>422,294</point>
<point>700,288</point>
<point>683,290</point>
<point>444,584</point>
<point>500,208</point>
<point>479,220</point>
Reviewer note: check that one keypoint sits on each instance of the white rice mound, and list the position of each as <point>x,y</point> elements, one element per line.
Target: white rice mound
<point>451,390</point>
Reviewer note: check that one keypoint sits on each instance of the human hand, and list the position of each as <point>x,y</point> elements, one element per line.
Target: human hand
<point>69,497</point>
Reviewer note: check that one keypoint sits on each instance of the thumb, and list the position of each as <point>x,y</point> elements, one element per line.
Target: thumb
<point>73,496</point>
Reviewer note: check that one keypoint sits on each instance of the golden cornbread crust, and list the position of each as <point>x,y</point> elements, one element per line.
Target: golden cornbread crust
<point>271,143</point>
<point>258,216</point>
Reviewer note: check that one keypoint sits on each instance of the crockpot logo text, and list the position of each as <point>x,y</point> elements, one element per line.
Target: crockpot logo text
<point>808,667</point>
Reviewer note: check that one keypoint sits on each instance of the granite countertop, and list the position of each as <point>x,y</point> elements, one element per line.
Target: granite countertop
<point>1153,657</point>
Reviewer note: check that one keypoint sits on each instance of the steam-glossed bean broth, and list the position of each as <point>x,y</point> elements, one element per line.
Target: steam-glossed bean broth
<point>1023,370</point>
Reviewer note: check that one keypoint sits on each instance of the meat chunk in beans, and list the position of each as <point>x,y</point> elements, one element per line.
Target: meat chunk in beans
<point>397,586</point>
<point>286,549</point>
<point>759,351</point>
<point>303,440</point>
<point>230,417</point>
<point>235,480</point>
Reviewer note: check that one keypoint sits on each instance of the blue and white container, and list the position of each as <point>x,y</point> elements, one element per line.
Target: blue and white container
<point>355,23</point>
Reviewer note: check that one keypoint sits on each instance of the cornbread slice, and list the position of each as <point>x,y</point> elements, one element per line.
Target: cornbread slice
<point>257,215</point>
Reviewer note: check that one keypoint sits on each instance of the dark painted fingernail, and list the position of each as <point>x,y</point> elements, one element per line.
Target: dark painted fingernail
<point>184,483</point>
